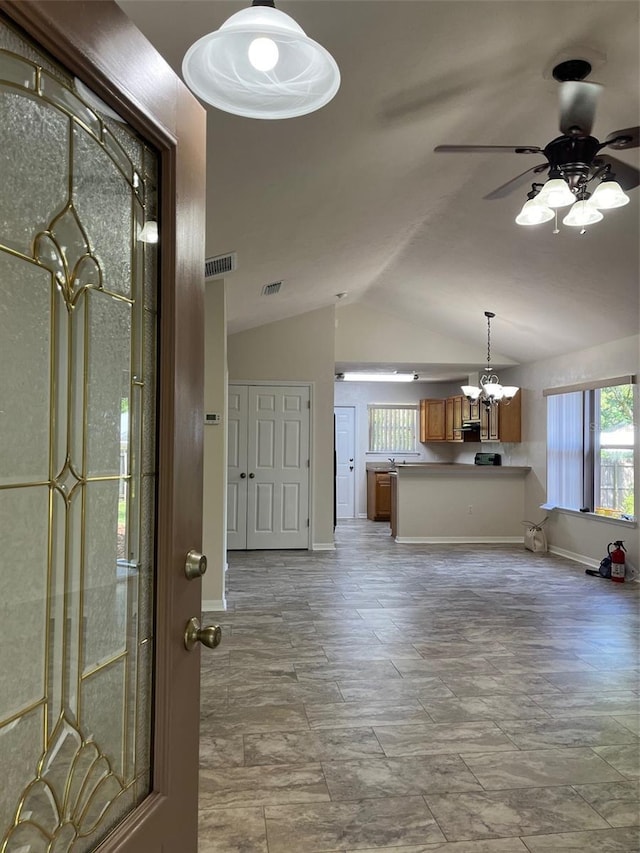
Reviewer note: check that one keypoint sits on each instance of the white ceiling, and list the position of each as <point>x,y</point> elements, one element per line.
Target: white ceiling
<point>352,198</point>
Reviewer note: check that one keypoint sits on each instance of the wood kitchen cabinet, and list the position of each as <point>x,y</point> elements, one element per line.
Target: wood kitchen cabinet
<point>378,496</point>
<point>441,420</point>
<point>502,422</point>
<point>433,419</point>
<point>453,418</point>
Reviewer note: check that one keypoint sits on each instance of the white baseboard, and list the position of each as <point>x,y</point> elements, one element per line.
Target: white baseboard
<point>577,558</point>
<point>323,546</point>
<point>594,564</point>
<point>459,540</point>
<point>214,604</point>
<point>362,515</point>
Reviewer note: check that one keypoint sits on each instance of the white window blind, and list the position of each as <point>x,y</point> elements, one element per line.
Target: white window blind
<point>565,450</point>
<point>392,429</point>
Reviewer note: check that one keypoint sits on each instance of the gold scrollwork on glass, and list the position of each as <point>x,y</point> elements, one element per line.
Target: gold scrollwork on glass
<point>73,788</point>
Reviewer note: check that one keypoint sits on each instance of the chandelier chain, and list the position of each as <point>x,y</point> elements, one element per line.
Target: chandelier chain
<point>488,343</point>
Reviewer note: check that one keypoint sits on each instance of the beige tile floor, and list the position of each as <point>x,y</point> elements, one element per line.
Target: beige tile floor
<point>414,698</point>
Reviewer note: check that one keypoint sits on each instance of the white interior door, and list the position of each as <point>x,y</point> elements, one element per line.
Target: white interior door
<point>278,462</point>
<point>345,461</point>
<point>237,480</point>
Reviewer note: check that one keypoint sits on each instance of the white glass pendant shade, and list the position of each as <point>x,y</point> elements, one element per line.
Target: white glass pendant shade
<point>556,193</point>
<point>534,212</point>
<point>509,391</point>
<point>493,390</point>
<point>471,391</point>
<point>260,64</point>
<point>582,213</point>
<point>609,194</point>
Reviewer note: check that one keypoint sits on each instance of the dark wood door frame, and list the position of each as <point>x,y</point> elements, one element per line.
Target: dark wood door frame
<point>96,41</point>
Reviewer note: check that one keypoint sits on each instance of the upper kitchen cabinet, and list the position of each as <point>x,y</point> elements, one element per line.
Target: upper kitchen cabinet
<point>433,420</point>
<point>442,420</point>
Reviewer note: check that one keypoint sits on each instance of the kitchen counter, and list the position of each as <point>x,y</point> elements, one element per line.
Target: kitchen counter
<point>455,502</point>
<point>459,468</point>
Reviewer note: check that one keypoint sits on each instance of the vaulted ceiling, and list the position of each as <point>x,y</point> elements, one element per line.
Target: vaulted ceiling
<point>353,199</point>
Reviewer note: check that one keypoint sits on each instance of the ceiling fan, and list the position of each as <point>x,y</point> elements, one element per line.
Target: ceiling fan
<point>574,156</point>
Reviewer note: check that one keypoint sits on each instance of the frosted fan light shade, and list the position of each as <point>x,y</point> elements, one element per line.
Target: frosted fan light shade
<point>609,194</point>
<point>582,213</point>
<point>221,67</point>
<point>556,193</point>
<point>534,213</point>
<point>471,391</point>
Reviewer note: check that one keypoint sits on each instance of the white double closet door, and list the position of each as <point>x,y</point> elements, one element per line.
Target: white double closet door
<point>268,467</point>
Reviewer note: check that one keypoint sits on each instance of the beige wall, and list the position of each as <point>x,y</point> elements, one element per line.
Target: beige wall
<point>214,515</point>
<point>574,533</point>
<point>366,335</point>
<point>299,349</point>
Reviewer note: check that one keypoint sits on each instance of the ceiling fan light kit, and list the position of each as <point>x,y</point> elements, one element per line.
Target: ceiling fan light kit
<point>490,392</point>
<point>261,64</point>
<point>573,159</point>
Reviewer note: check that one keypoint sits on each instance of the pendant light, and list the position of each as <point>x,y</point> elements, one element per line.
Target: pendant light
<point>260,64</point>
<point>490,392</point>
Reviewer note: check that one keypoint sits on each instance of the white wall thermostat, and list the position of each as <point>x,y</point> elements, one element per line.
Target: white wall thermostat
<point>212,418</point>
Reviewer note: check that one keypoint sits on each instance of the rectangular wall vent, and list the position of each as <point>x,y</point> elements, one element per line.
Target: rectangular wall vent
<point>220,265</point>
<point>271,289</point>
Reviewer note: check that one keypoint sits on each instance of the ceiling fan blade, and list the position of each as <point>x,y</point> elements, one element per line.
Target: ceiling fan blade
<point>620,139</point>
<point>514,183</point>
<point>627,176</point>
<point>578,101</point>
<point>514,149</point>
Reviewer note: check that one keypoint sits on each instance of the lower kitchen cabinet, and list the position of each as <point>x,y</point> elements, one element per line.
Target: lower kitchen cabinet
<point>378,495</point>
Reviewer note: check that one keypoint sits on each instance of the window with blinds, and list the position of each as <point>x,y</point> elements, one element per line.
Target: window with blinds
<point>591,446</point>
<point>392,429</point>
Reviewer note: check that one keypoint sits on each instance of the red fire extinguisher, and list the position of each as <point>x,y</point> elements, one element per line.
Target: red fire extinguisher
<point>617,560</point>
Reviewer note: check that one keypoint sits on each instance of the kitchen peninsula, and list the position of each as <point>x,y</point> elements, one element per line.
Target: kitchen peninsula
<point>455,502</point>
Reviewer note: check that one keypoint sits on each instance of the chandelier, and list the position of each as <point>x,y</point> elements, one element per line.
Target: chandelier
<point>563,189</point>
<point>261,64</point>
<point>490,392</point>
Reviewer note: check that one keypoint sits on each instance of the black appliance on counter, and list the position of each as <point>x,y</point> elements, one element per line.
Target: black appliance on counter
<point>487,459</point>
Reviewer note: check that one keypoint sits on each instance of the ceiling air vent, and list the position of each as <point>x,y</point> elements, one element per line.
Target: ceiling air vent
<point>271,289</point>
<point>220,265</point>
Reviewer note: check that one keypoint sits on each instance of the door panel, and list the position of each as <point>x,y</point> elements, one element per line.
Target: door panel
<point>274,423</point>
<point>80,524</point>
<point>237,468</point>
<point>345,461</point>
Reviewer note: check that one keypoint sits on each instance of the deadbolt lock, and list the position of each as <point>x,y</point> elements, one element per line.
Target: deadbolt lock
<point>209,636</point>
<point>195,565</point>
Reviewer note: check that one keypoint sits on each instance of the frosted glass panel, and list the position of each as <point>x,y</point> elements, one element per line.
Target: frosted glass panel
<point>102,197</point>
<point>105,592</point>
<point>37,136</point>
<point>25,356</point>
<point>108,383</point>
<point>103,705</point>
<point>23,596</point>
<point>77,462</point>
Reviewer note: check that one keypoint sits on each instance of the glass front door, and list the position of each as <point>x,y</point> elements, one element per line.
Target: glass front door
<point>77,459</point>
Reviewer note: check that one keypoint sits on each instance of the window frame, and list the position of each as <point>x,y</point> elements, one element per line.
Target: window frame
<point>591,447</point>
<point>371,407</point>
